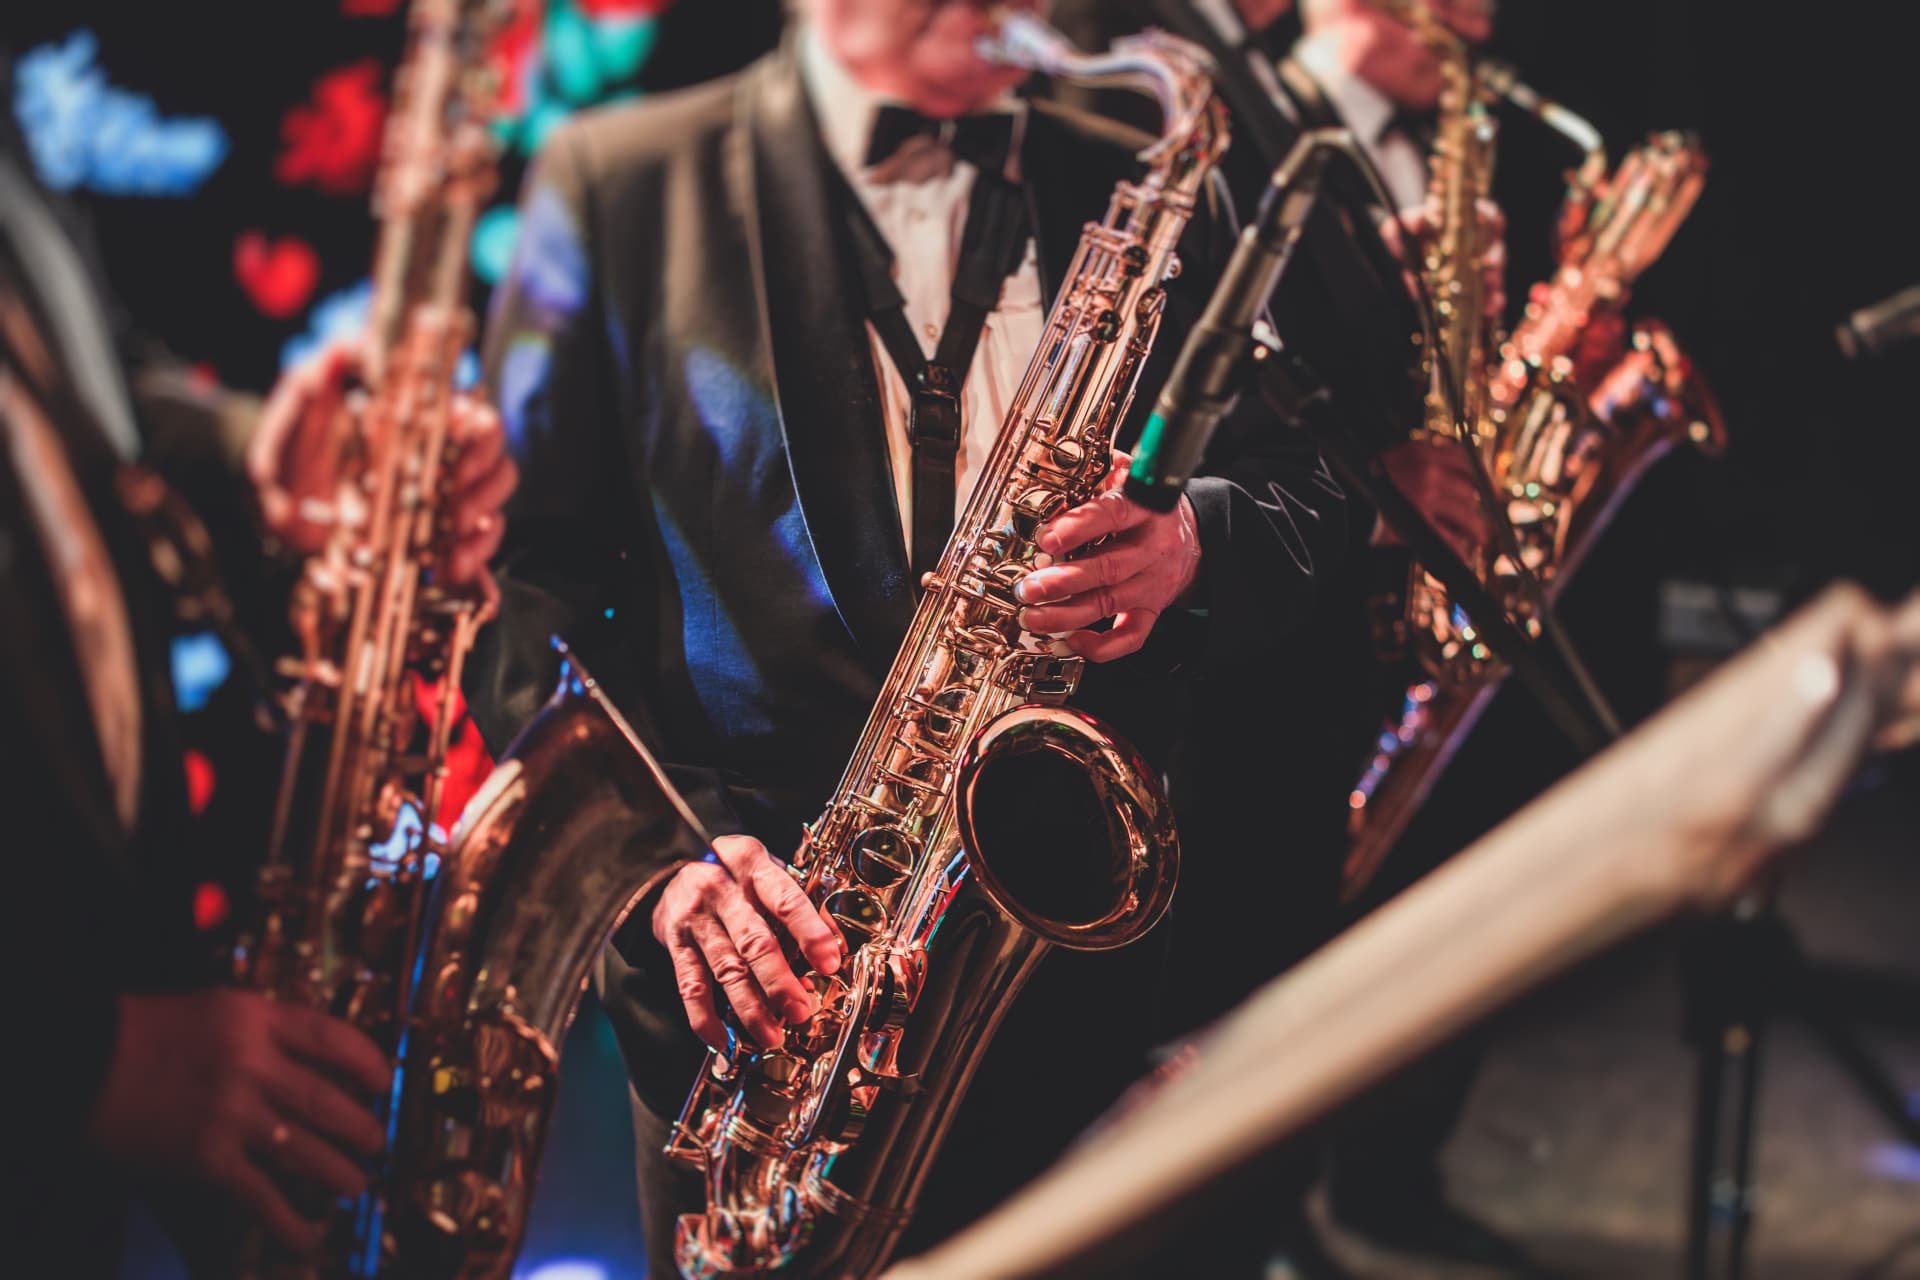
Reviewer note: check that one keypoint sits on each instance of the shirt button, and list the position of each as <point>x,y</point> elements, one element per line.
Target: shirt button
<point>930,330</point>
<point>916,215</point>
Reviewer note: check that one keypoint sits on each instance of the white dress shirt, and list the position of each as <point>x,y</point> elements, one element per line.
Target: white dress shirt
<point>1367,113</point>
<point>922,221</point>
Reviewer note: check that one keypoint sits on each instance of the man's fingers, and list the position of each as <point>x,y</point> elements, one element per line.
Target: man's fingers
<point>696,994</point>
<point>293,1149</point>
<point>1130,630</point>
<point>736,980</point>
<point>257,1194</point>
<point>1492,217</point>
<point>293,453</point>
<point>759,946</point>
<point>1107,514</point>
<point>775,888</point>
<point>470,554</point>
<point>317,1103</point>
<point>475,427</point>
<point>738,854</point>
<point>1105,566</point>
<point>488,492</point>
<point>325,1041</point>
<point>1143,591</point>
<point>291,403</point>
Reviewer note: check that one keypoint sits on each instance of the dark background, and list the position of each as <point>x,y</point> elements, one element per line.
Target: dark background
<point>1807,112</point>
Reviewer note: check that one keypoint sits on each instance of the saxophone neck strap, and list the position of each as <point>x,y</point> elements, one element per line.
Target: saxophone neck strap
<point>991,249</point>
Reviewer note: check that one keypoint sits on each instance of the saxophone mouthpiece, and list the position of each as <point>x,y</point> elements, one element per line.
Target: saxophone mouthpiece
<point>1019,39</point>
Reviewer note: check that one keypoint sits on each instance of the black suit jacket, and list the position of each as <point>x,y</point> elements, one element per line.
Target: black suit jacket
<point>1342,307</point>
<point>1277,740</point>
<point>86,912</point>
<point>705,508</point>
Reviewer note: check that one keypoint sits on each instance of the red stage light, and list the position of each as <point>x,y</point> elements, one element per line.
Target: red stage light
<point>210,906</point>
<point>334,142</point>
<point>200,781</point>
<point>278,276</point>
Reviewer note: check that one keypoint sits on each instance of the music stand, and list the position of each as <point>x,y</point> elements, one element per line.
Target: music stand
<point>1744,969</point>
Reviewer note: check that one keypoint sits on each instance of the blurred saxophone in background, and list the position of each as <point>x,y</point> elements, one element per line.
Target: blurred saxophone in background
<point>1562,415</point>
<point>464,960</point>
<point>372,693</point>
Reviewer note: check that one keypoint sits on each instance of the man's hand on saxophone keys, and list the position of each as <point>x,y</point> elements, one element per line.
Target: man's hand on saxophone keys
<point>243,1094</point>
<point>294,462</point>
<point>1148,562</point>
<point>1419,221</point>
<point>713,921</point>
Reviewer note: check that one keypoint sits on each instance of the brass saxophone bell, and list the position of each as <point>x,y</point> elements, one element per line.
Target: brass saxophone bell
<point>1066,828</point>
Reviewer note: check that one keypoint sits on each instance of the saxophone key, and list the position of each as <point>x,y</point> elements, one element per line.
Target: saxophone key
<point>883,855</point>
<point>772,1085</point>
<point>858,914</point>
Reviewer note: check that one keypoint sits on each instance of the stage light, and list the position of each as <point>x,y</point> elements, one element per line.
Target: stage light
<point>567,1269</point>
<point>493,237</point>
<point>338,315</point>
<point>1895,1160</point>
<point>200,665</point>
<point>83,132</point>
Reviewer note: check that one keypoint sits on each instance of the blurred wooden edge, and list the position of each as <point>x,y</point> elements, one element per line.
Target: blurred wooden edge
<point>1681,812</point>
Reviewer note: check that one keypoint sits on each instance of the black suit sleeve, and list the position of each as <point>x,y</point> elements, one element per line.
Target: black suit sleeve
<point>62,874</point>
<point>563,567</point>
<point>1272,520</point>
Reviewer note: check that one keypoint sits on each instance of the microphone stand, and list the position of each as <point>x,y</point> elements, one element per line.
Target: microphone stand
<point>1741,966</point>
<point>1229,349</point>
<point>1286,385</point>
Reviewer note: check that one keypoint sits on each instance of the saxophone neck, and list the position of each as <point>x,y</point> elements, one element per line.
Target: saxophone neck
<point>438,165</point>
<point>1502,80</point>
<point>1174,72</point>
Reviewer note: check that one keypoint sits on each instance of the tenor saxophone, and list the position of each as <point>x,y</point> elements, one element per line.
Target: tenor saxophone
<point>928,857</point>
<point>1465,335</point>
<point>1564,425</point>
<point>364,908</point>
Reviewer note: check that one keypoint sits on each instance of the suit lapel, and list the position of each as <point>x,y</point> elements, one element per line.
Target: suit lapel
<point>825,386</point>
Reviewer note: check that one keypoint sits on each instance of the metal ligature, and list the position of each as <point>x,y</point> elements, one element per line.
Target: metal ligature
<point>1563,421</point>
<point>980,821</point>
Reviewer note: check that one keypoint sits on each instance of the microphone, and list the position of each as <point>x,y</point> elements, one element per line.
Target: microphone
<point>1876,330</point>
<point>1206,378</point>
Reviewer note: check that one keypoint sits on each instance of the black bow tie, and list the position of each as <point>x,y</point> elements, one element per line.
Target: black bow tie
<point>981,140</point>
<point>1416,126</point>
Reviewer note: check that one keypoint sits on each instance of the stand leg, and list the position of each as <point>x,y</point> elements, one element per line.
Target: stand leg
<point>1726,1025</point>
<point>1706,1137</point>
<point>1842,1043</point>
<point>1736,1192</point>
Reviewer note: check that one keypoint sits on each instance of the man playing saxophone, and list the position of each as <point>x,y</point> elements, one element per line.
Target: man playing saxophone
<point>143,1075</point>
<point>1368,66</point>
<point>1347,307</point>
<point>731,490</point>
